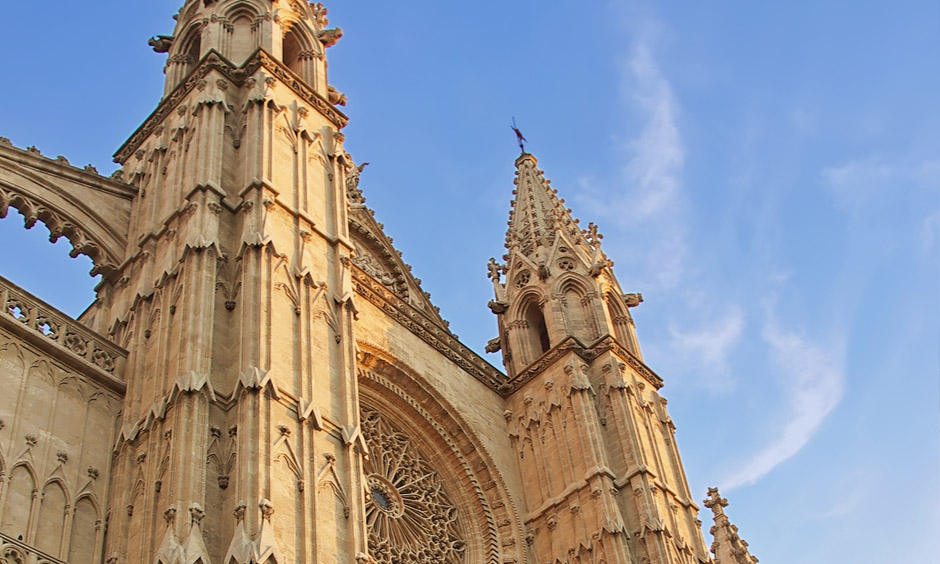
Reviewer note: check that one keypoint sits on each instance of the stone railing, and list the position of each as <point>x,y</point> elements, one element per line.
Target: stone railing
<point>60,328</point>
<point>18,552</point>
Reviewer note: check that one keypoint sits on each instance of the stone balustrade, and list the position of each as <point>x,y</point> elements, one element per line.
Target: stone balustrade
<point>16,551</point>
<point>60,329</point>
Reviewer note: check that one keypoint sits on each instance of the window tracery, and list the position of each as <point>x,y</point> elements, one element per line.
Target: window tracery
<point>410,517</point>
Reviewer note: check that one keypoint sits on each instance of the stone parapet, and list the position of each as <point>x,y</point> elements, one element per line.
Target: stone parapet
<point>12,550</point>
<point>71,341</point>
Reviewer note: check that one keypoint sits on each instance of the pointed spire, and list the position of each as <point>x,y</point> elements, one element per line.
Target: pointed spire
<point>728,547</point>
<point>537,215</point>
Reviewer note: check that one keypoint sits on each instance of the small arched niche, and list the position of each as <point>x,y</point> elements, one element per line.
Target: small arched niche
<point>297,52</point>
<point>577,308</point>
<point>243,41</point>
<point>191,51</point>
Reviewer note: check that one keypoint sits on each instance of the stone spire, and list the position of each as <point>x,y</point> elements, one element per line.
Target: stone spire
<point>728,547</point>
<point>537,215</point>
<point>558,282</point>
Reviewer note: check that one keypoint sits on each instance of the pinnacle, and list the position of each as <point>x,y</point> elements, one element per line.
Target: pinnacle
<point>537,215</point>
<point>728,547</point>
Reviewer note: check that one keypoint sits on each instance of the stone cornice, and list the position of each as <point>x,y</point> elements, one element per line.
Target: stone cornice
<point>213,61</point>
<point>426,329</point>
<point>605,344</point>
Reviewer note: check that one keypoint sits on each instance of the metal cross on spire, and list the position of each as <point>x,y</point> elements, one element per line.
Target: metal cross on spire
<point>519,136</point>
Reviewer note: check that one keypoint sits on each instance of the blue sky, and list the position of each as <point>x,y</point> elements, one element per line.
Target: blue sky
<point>765,174</point>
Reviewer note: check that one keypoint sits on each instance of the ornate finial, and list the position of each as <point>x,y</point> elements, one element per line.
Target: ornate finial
<point>319,12</point>
<point>240,511</point>
<point>519,136</point>
<point>170,515</point>
<point>592,236</point>
<point>715,502</point>
<point>494,270</point>
<point>728,547</point>
<point>267,509</point>
<point>196,513</point>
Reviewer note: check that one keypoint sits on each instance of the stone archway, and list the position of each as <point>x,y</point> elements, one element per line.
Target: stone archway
<point>449,481</point>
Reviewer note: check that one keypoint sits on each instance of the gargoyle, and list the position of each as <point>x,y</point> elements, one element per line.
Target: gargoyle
<point>161,43</point>
<point>633,300</point>
<point>599,267</point>
<point>335,96</point>
<point>329,37</point>
<point>543,271</point>
<point>493,345</point>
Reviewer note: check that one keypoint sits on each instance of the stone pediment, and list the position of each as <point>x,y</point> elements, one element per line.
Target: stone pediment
<point>377,257</point>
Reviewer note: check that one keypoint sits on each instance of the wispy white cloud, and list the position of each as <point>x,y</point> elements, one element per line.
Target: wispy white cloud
<point>650,198</point>
<point>709,347</point>
<point>813,380</point>
<point>657,153</point>
<point>858,185</point>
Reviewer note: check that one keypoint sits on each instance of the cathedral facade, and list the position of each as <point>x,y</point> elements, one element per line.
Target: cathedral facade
<point>262,380</point>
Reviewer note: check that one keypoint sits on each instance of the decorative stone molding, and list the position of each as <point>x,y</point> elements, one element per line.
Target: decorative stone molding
<point>89,210</point>
<point>410,517</point>
<point>492,513</point>
<point>213,61</point>
<point>605,344</point>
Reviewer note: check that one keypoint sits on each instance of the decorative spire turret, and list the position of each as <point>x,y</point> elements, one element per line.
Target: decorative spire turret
<point>551,261</point>
<point>728,547</point>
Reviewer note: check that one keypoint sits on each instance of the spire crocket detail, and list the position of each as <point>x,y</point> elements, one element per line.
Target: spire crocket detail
<point>549,256</point>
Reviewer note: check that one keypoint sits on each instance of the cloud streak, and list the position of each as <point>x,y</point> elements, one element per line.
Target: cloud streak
<point>709,347</point>
<point>658,156</point>
<point>813,380</point>
<point>861,185</point>
<point>647,209</point>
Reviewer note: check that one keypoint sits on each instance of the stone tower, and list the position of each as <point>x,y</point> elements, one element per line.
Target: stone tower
<point>261,380</point>
<point>603,479</point>
<point>240,175</point>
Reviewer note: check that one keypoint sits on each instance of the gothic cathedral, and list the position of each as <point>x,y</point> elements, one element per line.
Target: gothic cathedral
<point>262,381</point>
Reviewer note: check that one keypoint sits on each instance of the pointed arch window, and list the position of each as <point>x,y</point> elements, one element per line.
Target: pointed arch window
<point>538,342</point>
<point>297,53</point>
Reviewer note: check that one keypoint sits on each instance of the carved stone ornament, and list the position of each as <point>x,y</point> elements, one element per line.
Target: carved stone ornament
<point>409,515</point>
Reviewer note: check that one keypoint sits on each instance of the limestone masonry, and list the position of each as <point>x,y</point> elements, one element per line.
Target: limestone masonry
<point>261,380</point>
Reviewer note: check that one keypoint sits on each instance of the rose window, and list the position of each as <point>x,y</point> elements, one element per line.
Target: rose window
<point>410,518</point>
